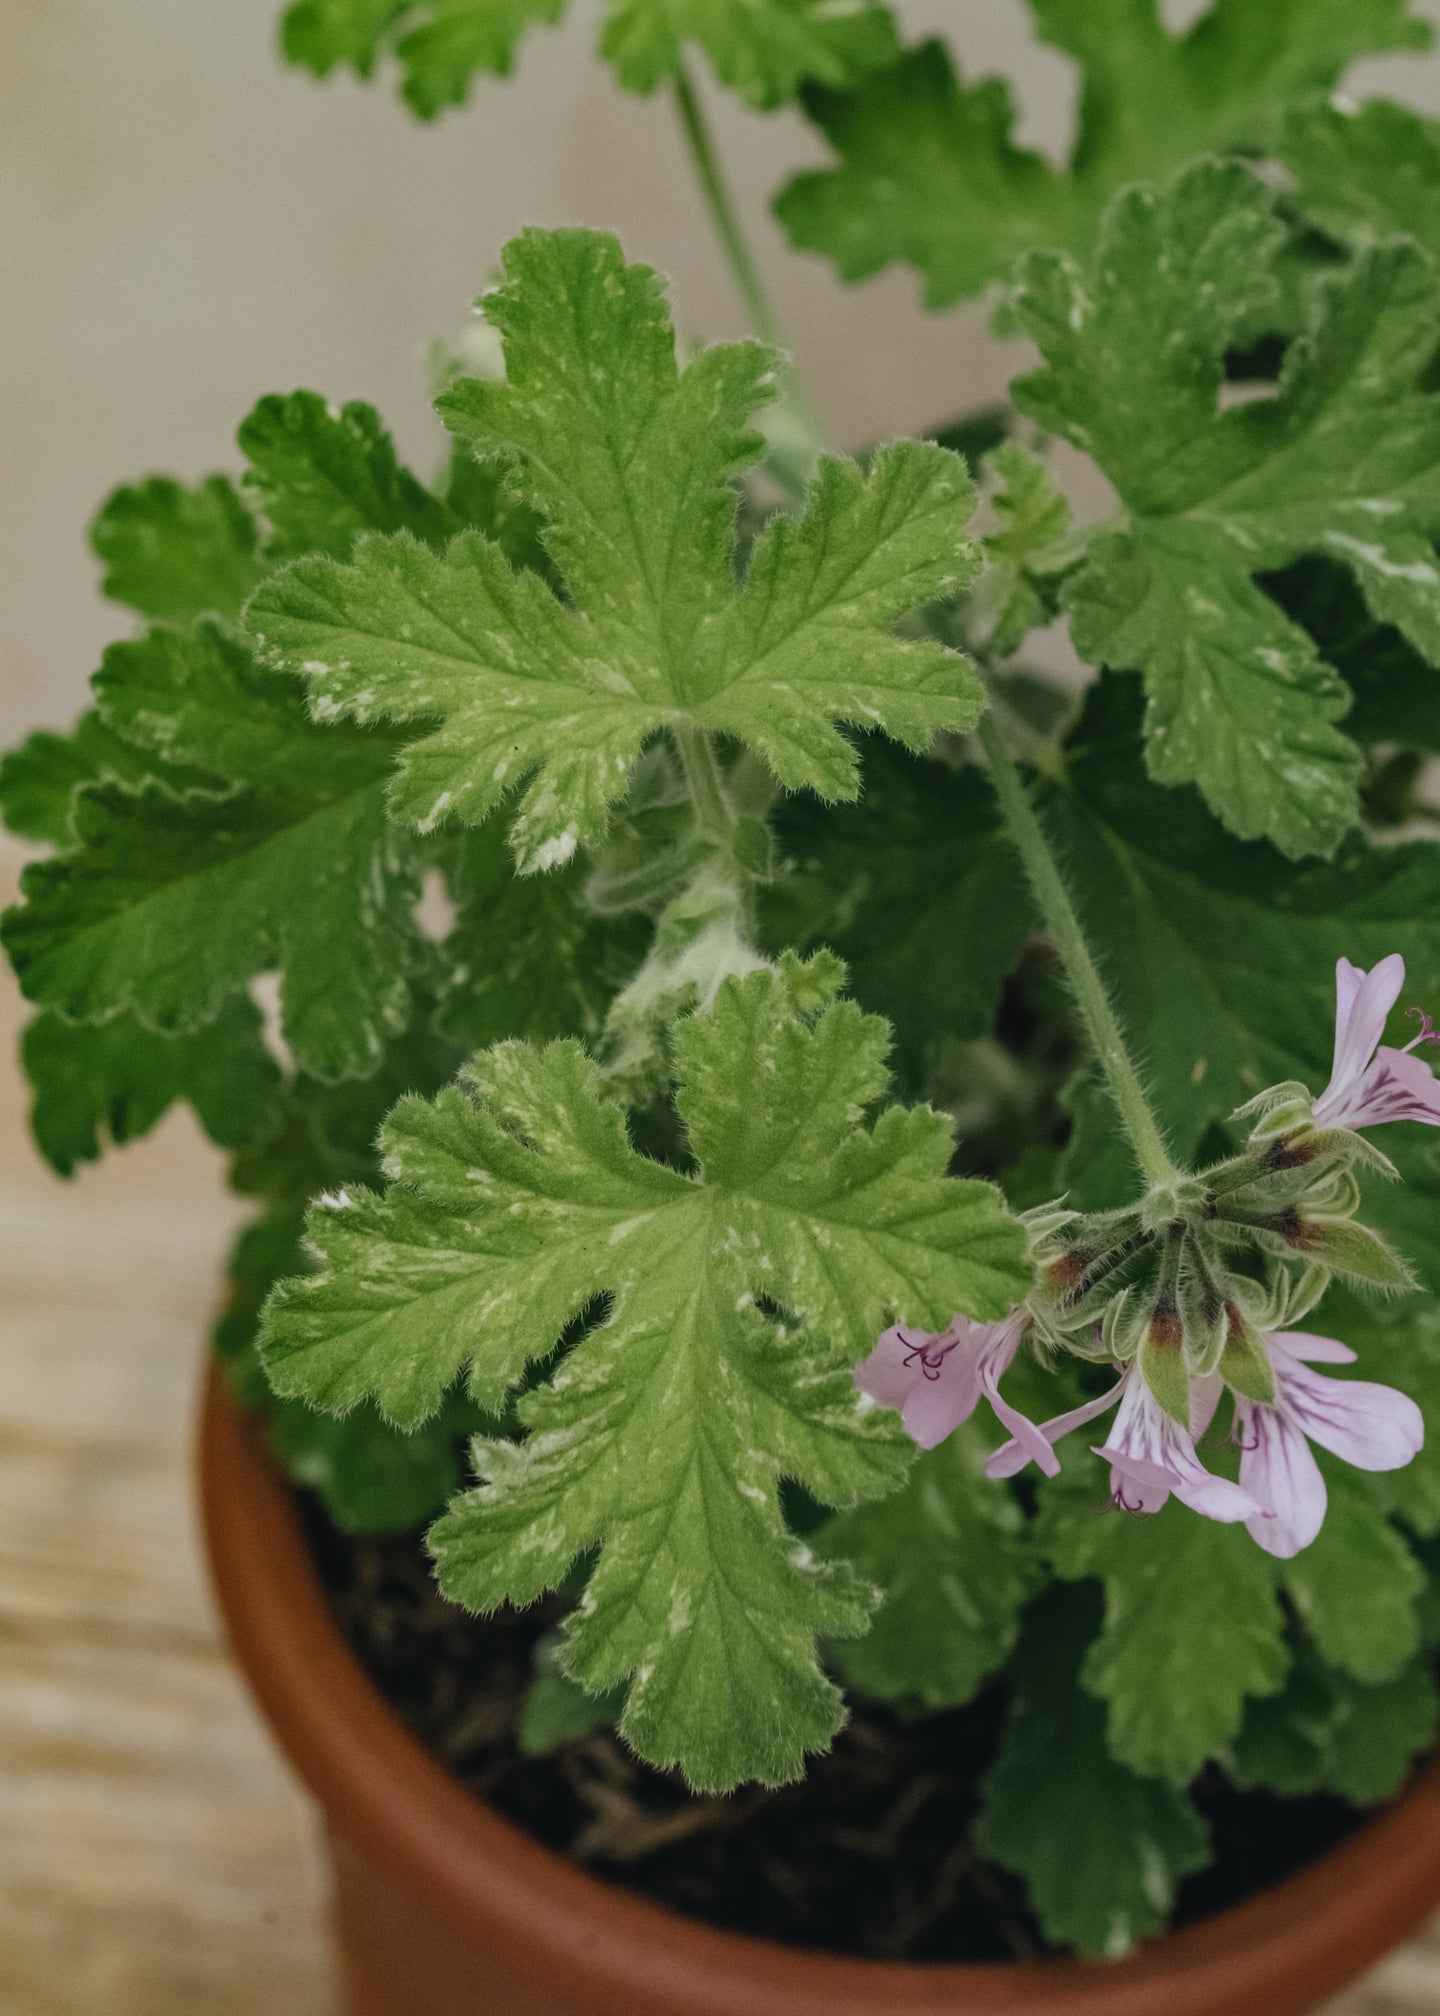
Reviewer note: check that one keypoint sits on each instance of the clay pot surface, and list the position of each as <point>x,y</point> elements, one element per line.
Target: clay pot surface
<point>444,1909</point>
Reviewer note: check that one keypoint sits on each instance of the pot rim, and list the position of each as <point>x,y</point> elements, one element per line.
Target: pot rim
<point>1280,1950</point>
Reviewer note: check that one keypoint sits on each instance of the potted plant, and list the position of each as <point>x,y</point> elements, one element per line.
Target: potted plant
<point>834,1222</point>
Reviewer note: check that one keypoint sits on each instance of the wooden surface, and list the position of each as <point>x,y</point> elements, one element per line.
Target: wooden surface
<point>154,1857</point>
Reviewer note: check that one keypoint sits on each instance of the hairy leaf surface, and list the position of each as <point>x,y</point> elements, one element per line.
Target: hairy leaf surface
<point>630,460</point>
<point>516,1201</point>
<point>1343,461</point>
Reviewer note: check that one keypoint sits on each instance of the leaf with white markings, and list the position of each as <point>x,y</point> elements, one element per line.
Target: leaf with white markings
<point>1344,461</point>
<point>630,462</point>
<point>737,1300</point>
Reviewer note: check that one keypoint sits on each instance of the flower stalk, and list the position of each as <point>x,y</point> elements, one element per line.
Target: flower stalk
<point>1061,920</point>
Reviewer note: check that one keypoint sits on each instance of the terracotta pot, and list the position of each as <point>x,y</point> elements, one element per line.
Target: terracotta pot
<point>443,1909</point>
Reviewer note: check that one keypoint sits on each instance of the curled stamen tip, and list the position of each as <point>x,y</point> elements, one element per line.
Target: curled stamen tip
<point>1428,1032</point>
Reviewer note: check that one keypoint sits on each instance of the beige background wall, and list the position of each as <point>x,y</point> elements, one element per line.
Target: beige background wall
<point>184,225</point>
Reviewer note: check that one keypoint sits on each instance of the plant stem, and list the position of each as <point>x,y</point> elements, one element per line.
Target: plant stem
<point>714,815</point>
<point>1064,927</point>
<point>744,269</point>
<point>723,214</point>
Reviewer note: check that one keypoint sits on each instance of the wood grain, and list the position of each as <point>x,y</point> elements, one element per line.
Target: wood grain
<point>155,1858</point>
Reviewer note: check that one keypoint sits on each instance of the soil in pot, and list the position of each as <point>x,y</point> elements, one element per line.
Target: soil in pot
<point>868,1856</point>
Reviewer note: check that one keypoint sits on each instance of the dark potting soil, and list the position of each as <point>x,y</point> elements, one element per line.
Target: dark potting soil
<point>869,1855</point>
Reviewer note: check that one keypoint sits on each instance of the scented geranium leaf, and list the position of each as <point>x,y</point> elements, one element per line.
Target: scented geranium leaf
<point>1396,690</point>
<point>1191,1628</point>
<point>323,35</point>
<point>323,475</point>
<point>1343,461</point>
<point>928,174</point>
<point>39,779</point>
<point>118,1078</point>
<point>370,1477</point>
<point>1365,171</point>
<point>1032,514</point>
<point>1324,1732</point>
<point>517,1203</point>
<point>929,171</point>
<point>1399,1344</point>
<point>763,49</point>
<point>525,956</point>
<point>629,461</point>
<point>1408,1212</point>
<point>1388,1728</point>
<point>918,890</point>
<point>1100,1864</point>
<point>950,1556</point>
<point>1220,954</point>
<point>1356,1586</point>
<point>174,553</point>
<point>170,901</point>
<point>558,1710</point>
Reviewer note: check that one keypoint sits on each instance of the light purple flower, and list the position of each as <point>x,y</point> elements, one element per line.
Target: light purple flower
<point>1374,1427</point>
<point>1150,1455</point>
<point>938,1379</point>
<point>1370,1082</point>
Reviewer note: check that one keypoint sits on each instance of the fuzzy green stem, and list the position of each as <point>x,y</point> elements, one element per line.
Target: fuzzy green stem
<point>714,814</point>
<point>745,270</point>
<point>1064,926</point>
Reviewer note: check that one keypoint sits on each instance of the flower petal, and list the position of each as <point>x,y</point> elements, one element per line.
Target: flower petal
<point>1135,1485</point>
<point>1362,1010</point>
<point>1278,1469</point>
<point>1011,1456</point>
<point>1372,1426</point>
<point>893,1367</point>
<point>1032,1441</point>
<point>936,1407</point>
<point>1304,1344</point>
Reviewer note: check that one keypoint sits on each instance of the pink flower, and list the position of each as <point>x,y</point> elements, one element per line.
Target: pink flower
<point>1369,1082</point>
<point>1150,1455</point>
<point>1374,1427</point>
<point>937,1379</point>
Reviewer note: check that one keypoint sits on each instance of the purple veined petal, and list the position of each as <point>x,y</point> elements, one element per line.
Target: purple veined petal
<point>1011,1457</point>
<point>1135,1485</point>
<point>1397,1085</point>
<point>1278,1469</point>
<point>1362,1010</point>
<point>893,1367</point>
<point>1151,1451</point>
<point>1305,1345</point>
<point>1371,1426</point>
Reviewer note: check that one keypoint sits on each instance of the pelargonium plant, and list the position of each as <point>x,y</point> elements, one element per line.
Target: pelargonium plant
<point>844,1147</point>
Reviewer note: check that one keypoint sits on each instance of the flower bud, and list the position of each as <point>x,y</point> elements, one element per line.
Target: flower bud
<point>1245,1363</point>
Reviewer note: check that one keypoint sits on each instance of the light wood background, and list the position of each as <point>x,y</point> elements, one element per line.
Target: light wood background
<point>155,1858</point>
